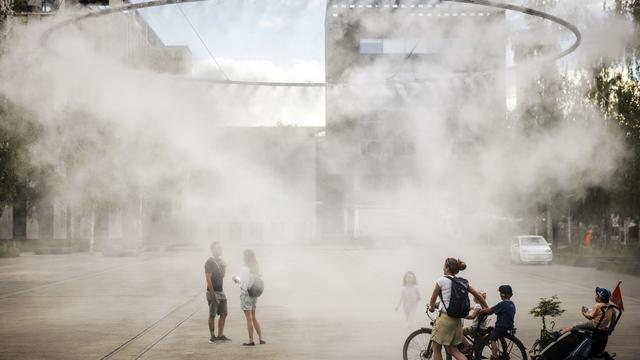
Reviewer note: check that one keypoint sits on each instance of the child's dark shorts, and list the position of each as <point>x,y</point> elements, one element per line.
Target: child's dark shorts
<point>497,333</point>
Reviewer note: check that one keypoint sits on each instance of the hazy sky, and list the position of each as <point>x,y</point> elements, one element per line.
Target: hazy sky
<point>283,33</point>
<point>266,39</point>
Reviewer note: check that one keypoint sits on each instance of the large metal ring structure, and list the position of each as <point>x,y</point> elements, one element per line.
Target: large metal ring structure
<point>488,3</point>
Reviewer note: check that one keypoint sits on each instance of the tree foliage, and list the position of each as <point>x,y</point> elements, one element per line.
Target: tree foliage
<point>629,7</point>
<point>18,132</point>
<point>92,168</point>
<point>74,155</point>
<point>615,90</point>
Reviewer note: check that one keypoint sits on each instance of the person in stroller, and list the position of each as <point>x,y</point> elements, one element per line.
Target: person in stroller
<point>588,340</point>
<point>596,317</point>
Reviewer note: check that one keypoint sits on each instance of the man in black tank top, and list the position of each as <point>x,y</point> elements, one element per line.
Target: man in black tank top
<point>214,270</point>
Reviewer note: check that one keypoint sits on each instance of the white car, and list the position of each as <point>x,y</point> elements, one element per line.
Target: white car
<point>530,248</point>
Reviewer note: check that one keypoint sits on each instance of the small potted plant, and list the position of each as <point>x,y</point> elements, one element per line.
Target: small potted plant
<point>546,308</point>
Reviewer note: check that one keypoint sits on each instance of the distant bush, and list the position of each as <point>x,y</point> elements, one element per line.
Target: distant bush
<point>9,251</point>
<point>21,6</point>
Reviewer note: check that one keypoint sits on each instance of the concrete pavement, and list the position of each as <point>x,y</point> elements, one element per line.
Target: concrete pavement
<point>319,302</point>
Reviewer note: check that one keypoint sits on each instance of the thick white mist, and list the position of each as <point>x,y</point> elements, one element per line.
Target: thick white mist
<point>175,130</point>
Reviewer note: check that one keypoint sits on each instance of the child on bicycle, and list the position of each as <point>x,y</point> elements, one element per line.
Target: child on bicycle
<point>505,311</point>
<point>409,296</point>
<point>474,315</point>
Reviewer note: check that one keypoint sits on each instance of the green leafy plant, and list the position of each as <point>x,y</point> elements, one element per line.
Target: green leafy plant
<point>546,308</point>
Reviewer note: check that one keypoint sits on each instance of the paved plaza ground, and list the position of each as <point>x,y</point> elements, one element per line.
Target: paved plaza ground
<point>320,302</point>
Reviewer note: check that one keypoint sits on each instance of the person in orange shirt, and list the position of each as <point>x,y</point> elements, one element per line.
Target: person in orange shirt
<point>588,237</point>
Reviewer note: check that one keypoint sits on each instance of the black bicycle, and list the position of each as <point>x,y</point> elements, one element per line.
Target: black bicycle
<point>418,345</point>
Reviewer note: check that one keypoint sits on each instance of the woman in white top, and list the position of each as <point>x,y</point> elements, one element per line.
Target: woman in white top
<point>447,331</point>
<point>249,272</point>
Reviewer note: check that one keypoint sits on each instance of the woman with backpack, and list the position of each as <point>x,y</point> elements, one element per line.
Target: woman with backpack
<point>454,306</point>
<point>250,288</point>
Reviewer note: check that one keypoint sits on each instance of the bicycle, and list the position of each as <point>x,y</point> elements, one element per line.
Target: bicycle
<point>417,346</point>
<point>546,338</point>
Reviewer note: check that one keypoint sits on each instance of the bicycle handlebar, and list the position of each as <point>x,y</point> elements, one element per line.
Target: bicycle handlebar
<point>481,317</point>
<point>429,313</point>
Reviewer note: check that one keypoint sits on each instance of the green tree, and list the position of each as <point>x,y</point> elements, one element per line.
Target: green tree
<point>630,8</point>
<point>92,169</point>
<point>539,109</point>
<point>615,90</point>
<point>18,133</point>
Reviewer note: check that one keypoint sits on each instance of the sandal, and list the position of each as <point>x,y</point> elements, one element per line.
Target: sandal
<point>249,344</point>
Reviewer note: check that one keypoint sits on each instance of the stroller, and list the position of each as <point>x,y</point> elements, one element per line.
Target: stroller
<point>583,344</point>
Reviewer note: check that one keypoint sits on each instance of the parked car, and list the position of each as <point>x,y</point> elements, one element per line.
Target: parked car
<point>530,249</point>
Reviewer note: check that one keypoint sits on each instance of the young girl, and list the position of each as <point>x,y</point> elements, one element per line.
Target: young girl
<point>409,296</point>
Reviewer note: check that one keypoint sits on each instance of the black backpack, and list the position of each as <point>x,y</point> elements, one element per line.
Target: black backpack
<point>459,305</point>
<point>256,288</point>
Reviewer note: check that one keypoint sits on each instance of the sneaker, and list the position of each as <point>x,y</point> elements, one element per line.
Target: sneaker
<point>212,340</point>
<point>223,338</point>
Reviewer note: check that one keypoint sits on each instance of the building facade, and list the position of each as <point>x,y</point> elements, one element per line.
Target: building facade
<point>52,225</point>
<point>388,63</point>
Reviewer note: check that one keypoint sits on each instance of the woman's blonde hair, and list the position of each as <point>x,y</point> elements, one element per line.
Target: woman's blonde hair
<point>454,265</point>
<point>250,261</point>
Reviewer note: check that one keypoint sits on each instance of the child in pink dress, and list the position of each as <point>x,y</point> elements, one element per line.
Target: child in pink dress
<point>409,296</point>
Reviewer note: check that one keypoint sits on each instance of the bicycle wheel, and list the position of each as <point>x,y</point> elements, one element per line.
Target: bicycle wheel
<point>508,347</point>
<point>536,348</point>
<point>418,345</point>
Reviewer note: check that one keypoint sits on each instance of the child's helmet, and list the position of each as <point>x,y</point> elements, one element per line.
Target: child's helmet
<point>603,293</point>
